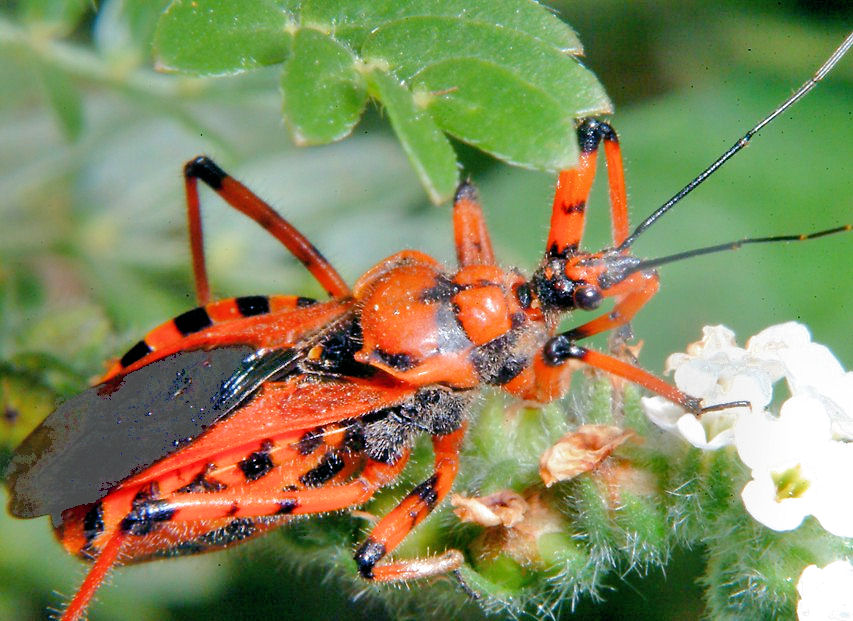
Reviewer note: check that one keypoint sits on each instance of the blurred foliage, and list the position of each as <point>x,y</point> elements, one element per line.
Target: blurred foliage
<point>93,250</point>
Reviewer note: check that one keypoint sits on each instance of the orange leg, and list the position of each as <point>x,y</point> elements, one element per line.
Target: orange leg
<point>192,507</point>
<point>568,215</point>
<point>473,244</point>
<point>105,561</point>
<point>261,500</point>
<point>640,289</point>
<point>551,370</point>
<point>394,527</point>
<point>244,200</point>
<point>616,185</point>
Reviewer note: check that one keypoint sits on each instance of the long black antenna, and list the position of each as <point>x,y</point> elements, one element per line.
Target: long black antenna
<point>840,51</point>
<point>650,263</point>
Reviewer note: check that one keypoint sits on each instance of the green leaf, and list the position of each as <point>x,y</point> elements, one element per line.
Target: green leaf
<point>217,37</point>
<point>353,20</point>
<point>428,150</point>
<point>410,45</point>
<point>324,94</point>
<point>558,81</point>
<point>487,106</point>
<point>498,75</point>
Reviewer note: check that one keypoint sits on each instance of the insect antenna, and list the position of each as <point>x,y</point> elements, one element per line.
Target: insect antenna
<point>827,66</point>
<point>651,263</point>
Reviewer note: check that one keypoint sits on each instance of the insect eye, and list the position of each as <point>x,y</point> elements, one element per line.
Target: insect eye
<point>587,297</point>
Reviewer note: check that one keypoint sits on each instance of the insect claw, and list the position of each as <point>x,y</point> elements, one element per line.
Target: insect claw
<point>466,588</point>
<point>692,404</point>
<point>724,406</point>
<point>466,191</point>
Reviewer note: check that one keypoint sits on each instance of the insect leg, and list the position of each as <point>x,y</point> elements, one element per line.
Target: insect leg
<point>105,561</point>
<point>640,289</point>
<point>615,184</point>
<point>473,244</point>
<point>561,349</point>
<point>394,527</point>
<point>245,201</point>
<point>259,500</point>
<point>249,501</point>
<point>568,214</point>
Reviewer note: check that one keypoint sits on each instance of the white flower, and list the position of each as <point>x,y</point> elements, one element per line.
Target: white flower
<point>826,594</point>
<point>809,368</point>
<point>765,441</point>
<point>801,459</point>
<point>717,371</point>
<point>797,468</point>
<point>714,430</point>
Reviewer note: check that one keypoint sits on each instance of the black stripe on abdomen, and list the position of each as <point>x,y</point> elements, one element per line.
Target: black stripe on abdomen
<point>192,321</point>
<point>135,354</point>
<point>252,305</point>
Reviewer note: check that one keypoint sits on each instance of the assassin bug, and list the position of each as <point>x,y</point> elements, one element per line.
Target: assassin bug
<point>228,420</point>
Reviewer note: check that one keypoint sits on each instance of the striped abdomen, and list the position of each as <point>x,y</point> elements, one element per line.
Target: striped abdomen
<point>264,321</point>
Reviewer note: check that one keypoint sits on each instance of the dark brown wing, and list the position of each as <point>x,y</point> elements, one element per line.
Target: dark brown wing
<point>112,431</point>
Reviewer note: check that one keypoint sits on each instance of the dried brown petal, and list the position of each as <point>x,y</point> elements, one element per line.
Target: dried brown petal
<point>503,508</point>
<point>514,524</point>
<point>580,451</point>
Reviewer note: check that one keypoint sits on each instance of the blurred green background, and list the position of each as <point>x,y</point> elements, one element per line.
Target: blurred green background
<point>93,241</point>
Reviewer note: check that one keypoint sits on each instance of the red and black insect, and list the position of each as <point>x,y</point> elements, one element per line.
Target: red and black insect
<point>232,418</point>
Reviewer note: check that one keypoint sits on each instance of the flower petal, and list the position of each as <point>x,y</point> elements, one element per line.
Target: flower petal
<point>826,594</point>
<point>831,498</point>
<point>768,443</point>
<point>759,498</point>
<point>713,431</point>
<point>662,412</point>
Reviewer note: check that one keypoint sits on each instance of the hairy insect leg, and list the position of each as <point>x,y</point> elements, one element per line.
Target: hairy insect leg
<point>94,578</point>
<point>245,201</point>
<point>394,527</point>
<point>260,500</point>
<point>473,244</point>
<point>561,349</point>
<point>216,505</point>
<point>568,215</point>
<point>615,184</point>
<point>640,288</point>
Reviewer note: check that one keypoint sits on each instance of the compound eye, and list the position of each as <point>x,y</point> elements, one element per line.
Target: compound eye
<point>587,297</point>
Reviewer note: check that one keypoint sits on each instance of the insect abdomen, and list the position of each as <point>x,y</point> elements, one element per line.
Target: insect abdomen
<point>201,325</point>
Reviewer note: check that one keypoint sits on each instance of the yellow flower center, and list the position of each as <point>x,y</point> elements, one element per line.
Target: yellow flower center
<point>789,484</point>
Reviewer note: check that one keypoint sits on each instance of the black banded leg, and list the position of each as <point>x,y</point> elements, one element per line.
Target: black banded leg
<point>568,213</point>
<point>245,201</point>
<point>394,527</point>
<point>562,348</point>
